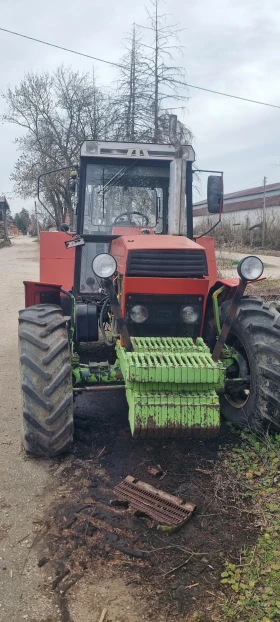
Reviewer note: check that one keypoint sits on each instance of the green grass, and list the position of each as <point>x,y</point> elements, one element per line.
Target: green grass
<point>252,587</point>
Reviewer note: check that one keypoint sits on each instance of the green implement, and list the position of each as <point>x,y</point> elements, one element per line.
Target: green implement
<point>171,387</point>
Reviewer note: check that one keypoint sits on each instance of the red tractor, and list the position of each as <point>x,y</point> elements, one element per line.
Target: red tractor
<point>188,345</point>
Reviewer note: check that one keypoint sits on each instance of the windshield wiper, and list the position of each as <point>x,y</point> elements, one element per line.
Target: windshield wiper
<point>116,177</point>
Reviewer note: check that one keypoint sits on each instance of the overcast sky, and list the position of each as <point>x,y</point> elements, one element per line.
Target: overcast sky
<point>230,45</point>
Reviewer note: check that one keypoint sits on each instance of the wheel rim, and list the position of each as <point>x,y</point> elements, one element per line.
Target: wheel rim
<point>241,369</point>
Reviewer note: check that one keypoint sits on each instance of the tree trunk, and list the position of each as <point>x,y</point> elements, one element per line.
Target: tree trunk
<point>5,223</point>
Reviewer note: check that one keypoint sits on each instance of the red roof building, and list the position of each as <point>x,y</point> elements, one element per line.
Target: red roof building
<point>246,203</point>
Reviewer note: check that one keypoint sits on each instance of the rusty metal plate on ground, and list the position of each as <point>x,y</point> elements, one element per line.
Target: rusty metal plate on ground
<point>166,509</point>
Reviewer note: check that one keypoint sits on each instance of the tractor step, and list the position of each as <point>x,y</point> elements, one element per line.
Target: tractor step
<point>171,387</point>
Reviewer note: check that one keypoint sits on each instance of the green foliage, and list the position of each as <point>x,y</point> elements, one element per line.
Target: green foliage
<point>253,586</point>
<point>22,220</point>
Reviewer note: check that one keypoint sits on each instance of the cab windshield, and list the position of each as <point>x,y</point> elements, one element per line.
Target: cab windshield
<point>131,194</point>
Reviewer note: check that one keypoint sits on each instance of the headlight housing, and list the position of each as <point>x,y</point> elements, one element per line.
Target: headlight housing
<point>250,268</point>
<point>138,314</point>
<point>189,314</point>
<point>104,265</point>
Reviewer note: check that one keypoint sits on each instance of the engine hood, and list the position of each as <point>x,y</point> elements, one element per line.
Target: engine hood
<point>123,246</point>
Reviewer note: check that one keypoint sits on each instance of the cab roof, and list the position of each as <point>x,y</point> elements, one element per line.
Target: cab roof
<point>141,151</point>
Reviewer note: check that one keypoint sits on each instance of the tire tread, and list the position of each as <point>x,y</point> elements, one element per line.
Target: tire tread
<point>46,374</point>
<point>257,324</point>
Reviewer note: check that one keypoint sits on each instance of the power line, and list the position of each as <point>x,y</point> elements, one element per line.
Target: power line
<point>108,62</point>
<point>59,47</point>
<point>244,99</point>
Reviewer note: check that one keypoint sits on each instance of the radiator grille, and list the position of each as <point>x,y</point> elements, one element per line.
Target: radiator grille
<point>167,263</point>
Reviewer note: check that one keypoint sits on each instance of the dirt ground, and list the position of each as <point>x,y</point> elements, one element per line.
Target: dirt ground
<point>25,485</point>
<point>91,554</point>
<point>98,541</point>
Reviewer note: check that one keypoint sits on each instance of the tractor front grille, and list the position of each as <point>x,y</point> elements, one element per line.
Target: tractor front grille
<point>164,315</point>
<point>167,263</point>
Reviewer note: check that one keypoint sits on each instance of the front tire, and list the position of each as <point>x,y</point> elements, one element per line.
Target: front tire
<point>46,380</point>
<point>255,335</point>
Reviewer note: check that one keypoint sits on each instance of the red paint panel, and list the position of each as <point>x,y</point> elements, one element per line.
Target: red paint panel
<point>56,261</point>
<point>155,242</point>
<point>33,291</point>
<point>119,230</point>
<point>121,246</point>
<point>162,286</point>
<point>231,282</point>
<point>208,243</point>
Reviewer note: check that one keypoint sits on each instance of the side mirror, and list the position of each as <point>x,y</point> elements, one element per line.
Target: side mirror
<point>64,227</point>
<point>215,194</point>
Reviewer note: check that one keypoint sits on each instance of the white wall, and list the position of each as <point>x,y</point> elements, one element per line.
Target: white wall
<point>249,217</point>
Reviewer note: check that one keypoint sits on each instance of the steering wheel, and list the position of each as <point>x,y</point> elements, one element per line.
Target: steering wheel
<point>129,221</point>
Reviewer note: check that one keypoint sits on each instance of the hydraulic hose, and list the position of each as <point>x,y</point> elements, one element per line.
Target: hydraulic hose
<point>101,324</point>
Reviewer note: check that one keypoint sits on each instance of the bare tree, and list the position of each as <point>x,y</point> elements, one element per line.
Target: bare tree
<point>132,97</point>
<point>57,112</point>
<point>149,82</point>
<point>165,79</point>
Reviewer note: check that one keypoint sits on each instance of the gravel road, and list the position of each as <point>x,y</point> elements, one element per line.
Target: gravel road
<point>25,485</point>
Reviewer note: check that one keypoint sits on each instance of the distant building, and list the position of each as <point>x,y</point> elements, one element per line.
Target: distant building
<point>245,206</point>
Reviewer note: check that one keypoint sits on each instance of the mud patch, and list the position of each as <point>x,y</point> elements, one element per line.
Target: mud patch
<point>102,544</point>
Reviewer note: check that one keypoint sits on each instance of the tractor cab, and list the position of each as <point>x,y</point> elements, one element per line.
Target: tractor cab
<point>125,185</point>
<point>123,190</point>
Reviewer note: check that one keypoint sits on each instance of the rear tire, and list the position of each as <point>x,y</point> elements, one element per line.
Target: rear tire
<point>46,380</point>
<point>256,328</point>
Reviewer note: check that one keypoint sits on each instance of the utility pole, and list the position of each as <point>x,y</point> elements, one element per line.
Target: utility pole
<point>264,213</point>
<point>36,216</point>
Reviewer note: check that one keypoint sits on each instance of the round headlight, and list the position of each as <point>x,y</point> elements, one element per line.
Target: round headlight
<point>250,268</point>
<point>189,314</point>
<point>104,265</point>
<point>138,314</point>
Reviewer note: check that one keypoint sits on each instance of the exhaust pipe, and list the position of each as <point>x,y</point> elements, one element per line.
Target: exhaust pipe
<point>174,140</point>
<point>177,184</point>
